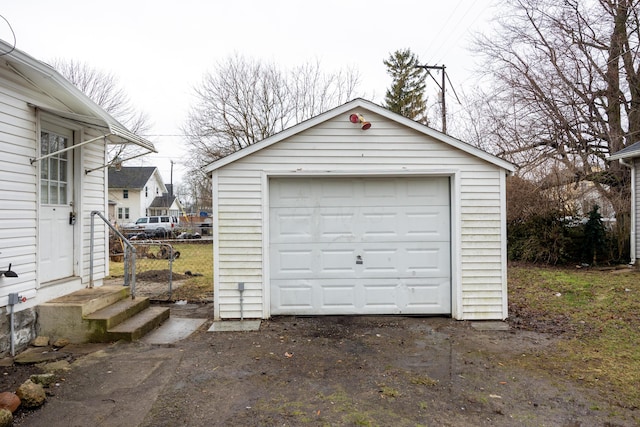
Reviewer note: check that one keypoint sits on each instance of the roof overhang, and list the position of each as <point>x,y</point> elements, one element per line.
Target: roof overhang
<point>110,128</point>
<point>67,101</point>
<point>626,153</point>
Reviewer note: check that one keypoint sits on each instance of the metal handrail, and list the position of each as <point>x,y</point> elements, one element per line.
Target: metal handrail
<point>127,260</point>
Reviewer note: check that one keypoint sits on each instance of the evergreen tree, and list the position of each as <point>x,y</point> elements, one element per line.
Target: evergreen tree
<point>406,94</point>
<point>594,234</point>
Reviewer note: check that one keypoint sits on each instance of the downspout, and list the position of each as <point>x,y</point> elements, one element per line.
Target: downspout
<point>632,243</point>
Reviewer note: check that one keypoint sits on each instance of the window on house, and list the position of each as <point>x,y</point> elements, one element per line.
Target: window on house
<point>119,213</point>
<point>125,194</point>
<point>55,171</point>
<point>126,213</point>
<point>146,191</point>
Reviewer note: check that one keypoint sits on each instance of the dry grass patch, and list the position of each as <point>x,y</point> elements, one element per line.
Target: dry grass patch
<point>597,315</point>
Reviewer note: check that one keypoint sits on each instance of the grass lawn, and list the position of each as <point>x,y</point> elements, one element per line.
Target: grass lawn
<point>597,315</point>
<point>194,257</point>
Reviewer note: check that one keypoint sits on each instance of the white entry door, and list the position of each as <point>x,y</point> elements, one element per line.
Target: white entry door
<point>56,228</point>
<point>360,246</point>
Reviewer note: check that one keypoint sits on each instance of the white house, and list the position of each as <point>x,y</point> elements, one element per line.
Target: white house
<point>133,190</point>
<point>630,157</point>
<point>53,144</point>
<point>360,211</point>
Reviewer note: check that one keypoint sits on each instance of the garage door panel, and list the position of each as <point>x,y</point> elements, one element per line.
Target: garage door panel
<point>330,192</point>
<point>362,296</point>
<point>335,225</point>
<point>329,225</point>
<point>332,261</point>
<point>294,261</point>
<point>427,259</point>
<point>292,296</point>
<point>426,224</point>
<point>292,225</point>
<point>341,296</point>
<point>360,246</point>
<point>431,192</point>
<point>429,297</point>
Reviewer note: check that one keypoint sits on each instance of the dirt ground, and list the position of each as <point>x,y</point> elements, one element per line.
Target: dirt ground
<point>351,371</point>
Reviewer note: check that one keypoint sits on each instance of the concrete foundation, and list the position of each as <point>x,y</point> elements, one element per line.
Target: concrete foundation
<point>24,329</point>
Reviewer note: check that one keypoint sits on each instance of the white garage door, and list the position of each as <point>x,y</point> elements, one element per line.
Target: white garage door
<point>360,246</point>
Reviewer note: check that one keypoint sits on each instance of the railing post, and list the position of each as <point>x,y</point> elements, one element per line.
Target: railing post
<point>128,245</point>
<point>91,250</point>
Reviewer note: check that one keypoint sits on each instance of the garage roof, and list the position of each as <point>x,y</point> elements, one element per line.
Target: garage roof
<point>349,107</point>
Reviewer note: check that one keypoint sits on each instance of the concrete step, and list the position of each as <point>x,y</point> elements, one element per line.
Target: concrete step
<point>118,312</point>
<point>64,317</point>
<point>100,314</point>
<point>137,326</point>
<point>90,299</point>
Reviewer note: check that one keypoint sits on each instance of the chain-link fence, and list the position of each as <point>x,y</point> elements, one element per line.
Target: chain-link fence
<point>169,270</point>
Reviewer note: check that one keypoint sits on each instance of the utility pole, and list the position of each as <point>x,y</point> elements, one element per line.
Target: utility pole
<point>442,87</point>
<point>171,179</point>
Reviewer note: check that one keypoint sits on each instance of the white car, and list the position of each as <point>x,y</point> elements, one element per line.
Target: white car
<point>161,225</point>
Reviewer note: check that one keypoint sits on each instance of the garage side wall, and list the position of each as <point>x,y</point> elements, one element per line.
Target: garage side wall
<point>337,147</point>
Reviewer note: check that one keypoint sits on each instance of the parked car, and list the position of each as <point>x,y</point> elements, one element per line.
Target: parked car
<point>157,226</point>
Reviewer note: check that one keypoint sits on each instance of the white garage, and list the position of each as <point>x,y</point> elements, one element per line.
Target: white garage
<point>328,218</point>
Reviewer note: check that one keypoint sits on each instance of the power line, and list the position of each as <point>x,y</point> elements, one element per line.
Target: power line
<point>14,37</point>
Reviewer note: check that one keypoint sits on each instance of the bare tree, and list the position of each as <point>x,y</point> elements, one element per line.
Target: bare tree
<point>243,101</point>
<point>195,192</point>
<point>566,89</point>
<point>103,89</point>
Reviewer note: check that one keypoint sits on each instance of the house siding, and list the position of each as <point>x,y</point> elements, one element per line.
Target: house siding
<point>19,191</point>
<point>636,200</point>
<point>93,187</point>
<point>18,198</point>
<point>337,147</point>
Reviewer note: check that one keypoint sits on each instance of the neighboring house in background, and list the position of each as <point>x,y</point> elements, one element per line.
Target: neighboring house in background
<point>53,143</point>
<point>578,198</point>
<point>167,204</point>
<point>342,215</point>
<point>630,157</point>
<point>133,190</point>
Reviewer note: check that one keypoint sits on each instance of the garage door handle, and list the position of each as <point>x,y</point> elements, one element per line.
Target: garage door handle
<point>359,260</point>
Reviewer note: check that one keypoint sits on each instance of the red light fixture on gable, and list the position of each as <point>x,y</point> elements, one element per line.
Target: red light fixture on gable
<point>357,118</point>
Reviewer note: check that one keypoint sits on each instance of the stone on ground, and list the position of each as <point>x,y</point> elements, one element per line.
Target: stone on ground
<point>6,418</point>
<point>9,401</point>
<point>31,395</point>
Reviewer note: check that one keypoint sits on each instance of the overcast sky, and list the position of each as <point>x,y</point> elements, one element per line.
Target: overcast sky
<point>159,50</point>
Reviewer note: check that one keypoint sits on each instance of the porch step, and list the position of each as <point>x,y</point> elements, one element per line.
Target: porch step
<point>137,326</point>
<point>101,314</point>
<point>118,312</point>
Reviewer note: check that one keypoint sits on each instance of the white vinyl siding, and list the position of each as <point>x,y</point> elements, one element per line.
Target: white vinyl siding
<point>18,197</point>
<point>92,198</point>
<point>636,211</point>
<point>336,147</point>
<point>19,136</point>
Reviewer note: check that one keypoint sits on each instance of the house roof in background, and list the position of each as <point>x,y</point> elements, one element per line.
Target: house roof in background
<point>130,177</point>
<point>164,201</point>
<point>631,151</point>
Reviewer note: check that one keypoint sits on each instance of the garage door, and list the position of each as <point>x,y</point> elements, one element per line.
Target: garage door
<point>360,246</point>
